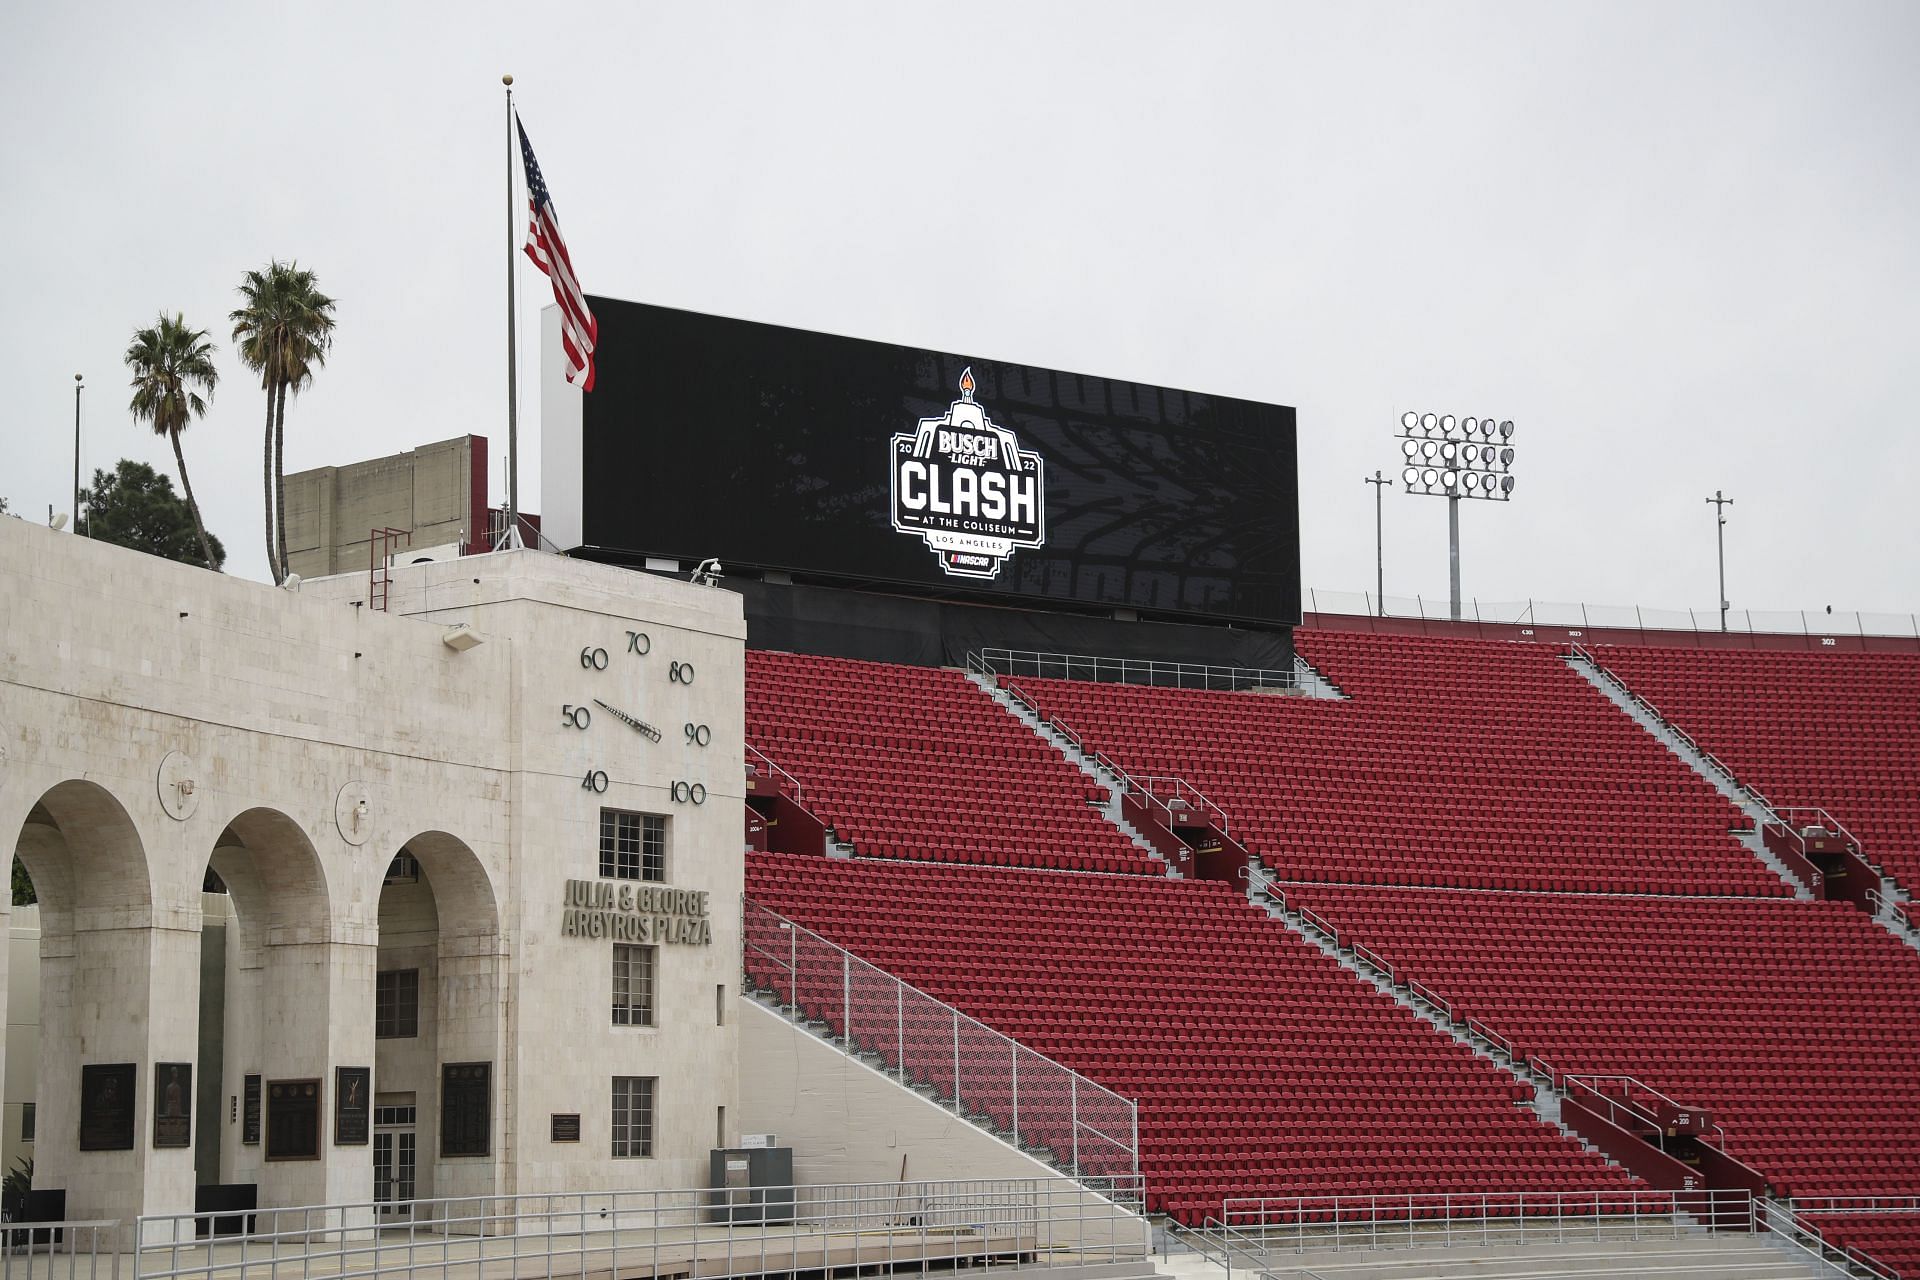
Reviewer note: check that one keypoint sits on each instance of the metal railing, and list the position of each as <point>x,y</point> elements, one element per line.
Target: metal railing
<point>1335,1223</point>
<point>850,1229</point>
<point>60,1250</point>
<point>1109,670</point>
<point>1590,1091</point>
<point>1799,1229</point>
<point>1552,613</point>
<point>530,535</point>
<point>785,782</point>
<point>1168,793</point>
<point>1082,1128</point>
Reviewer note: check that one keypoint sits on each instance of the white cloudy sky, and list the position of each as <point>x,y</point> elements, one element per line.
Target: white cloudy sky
<point>1676,243</point>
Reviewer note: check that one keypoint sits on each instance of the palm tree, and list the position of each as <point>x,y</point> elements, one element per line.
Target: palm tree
<point>283,333</point>
<point>169,361</point>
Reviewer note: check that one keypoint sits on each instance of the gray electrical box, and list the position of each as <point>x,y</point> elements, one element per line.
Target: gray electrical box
<point>751,1184</point>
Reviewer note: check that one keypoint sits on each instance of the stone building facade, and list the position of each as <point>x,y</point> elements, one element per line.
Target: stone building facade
<point>479,896</point>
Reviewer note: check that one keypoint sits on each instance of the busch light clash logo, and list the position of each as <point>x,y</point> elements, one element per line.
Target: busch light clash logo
<point>966,486</point>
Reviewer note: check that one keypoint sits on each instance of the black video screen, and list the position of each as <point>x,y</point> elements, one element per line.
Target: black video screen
<point>866,463</point>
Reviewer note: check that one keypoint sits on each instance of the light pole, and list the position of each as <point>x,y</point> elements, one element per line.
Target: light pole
<point>77,385</point>
<point>1379,483</point>
<point>1455,459</point>
<point>1720,504</point>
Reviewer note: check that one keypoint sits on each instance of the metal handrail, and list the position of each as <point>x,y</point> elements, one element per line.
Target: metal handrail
<point>1434,998</point>
<point>1793,1227</point>
<point>1178,675</point>
<point>968,1066</point>
<point>775,772</point>
<point>1589,1083</point>
<point>1492,1037</point>
<point>1374,961</point>
<point>1444,1219</point>
<point>717,1233</point>
<point>29,1248</point>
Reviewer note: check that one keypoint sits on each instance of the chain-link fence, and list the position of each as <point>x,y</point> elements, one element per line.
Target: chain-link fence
<point>1053,1112</point>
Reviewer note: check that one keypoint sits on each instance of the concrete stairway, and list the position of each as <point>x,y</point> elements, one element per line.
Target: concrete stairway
<point>1546,1100</point>
<point>1076,755</point>
<point>1716,775</point>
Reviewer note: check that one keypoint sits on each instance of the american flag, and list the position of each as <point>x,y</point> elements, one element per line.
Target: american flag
<point>548,249</point>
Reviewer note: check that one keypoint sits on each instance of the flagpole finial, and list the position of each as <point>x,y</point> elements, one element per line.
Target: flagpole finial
<point>507,80</point>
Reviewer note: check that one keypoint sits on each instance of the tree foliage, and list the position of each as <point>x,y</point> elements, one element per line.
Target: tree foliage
<point>282,333</point>
<point>23,894</point>
<point>135,506</point>
<point>171,365</point>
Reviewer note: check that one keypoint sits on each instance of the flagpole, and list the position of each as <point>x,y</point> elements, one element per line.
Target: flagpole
<point>512,538</point>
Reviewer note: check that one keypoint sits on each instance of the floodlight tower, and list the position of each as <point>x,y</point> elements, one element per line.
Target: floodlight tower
<point>1455,459</point>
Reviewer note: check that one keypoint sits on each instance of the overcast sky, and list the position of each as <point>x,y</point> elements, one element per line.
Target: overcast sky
<point>1678,244</point>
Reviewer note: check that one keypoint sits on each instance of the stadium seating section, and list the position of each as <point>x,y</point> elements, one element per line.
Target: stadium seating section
<point>1261,1067</point>
<point>1791,1021</point>
<point>910,762</point>
<point>1456,762</point>
<point>1474,812</point>
<point>1840,731</point>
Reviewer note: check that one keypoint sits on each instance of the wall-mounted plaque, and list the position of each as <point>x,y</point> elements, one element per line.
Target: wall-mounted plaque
<point>173,1104</point>
<point>564,1126</point>
<point>106,1106</point>
<point>465,1108</point>
<point>293,1120</point>
<point>352,1105</point>
<point>250,1112</point>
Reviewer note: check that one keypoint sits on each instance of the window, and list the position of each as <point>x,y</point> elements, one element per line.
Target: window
<point>404,869</point>
<point>396,1004</point>
<point>26,1121</point>
<point>632,1116</point>
<point>633,846</point>
<point>632,985</point>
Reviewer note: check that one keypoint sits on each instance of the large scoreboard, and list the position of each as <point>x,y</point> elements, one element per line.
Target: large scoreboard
<point>849,462</point>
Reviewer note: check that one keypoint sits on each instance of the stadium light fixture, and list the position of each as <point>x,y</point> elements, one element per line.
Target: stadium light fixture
<point>1457,458</point>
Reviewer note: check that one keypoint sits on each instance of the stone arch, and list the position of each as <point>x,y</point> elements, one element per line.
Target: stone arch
<point>287,877</point>
<point>444,928</point>
<point>463,892</point>
<point>287,975</point>
<point>80,841</point>
<point>102,962</point>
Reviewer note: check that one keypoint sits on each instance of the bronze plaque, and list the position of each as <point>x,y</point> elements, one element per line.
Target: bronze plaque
<point>106,1106</point>
<point>465,1108</point>
<point>173,1104</point>
<point>250,1112</point>
<point>293,1119</point>
<point>352,1105</point>
<point>564,1126</point>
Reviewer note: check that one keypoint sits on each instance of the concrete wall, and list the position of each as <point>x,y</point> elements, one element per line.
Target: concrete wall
<point>429,491</point>
<point>320,738</point>
<point>848,1123</point>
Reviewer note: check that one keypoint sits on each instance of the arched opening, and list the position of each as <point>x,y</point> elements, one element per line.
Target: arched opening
<point>437,1025</point>
<point>98,1031</point>
<point>272,981</point>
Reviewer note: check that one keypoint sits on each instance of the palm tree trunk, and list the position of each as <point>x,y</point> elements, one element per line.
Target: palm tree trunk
<point>280,476</point>
<point>266,484</point>
<point>186,487</point>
